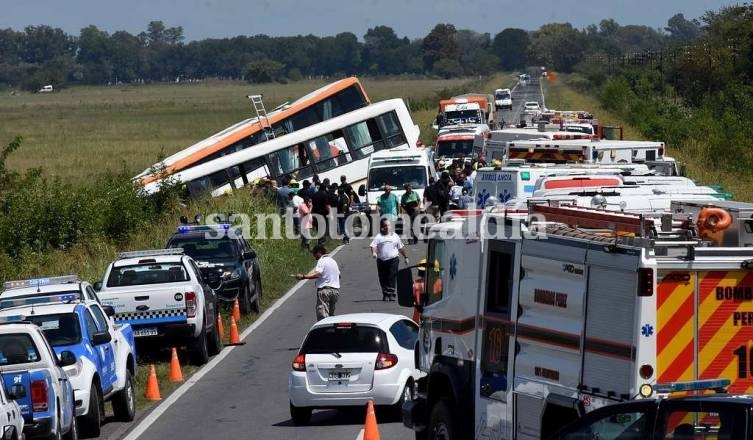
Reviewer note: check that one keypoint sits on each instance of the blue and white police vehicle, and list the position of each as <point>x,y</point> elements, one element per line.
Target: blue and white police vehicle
<point>162,295</point>
<point>106,360</point>
<point>34,377</point>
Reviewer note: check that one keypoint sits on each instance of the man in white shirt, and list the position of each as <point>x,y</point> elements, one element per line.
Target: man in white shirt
<point>327,276</point>
<point>385,247</point>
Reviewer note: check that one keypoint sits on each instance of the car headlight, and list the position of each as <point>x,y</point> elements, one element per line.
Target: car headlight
<point>231,275</point>
<point>73,370</point>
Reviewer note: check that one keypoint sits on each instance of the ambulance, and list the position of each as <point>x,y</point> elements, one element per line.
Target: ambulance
<point>496,145</point>
<point>524,329</point>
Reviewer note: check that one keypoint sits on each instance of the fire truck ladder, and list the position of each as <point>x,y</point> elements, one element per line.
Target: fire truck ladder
<point>591,218</point>
<point>261,115</point>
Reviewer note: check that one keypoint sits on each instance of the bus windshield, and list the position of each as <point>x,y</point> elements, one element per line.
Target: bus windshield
<point>463,116</point>
<point>397,176</point>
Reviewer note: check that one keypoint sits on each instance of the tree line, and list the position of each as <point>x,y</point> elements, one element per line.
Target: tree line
<point>42,54</point>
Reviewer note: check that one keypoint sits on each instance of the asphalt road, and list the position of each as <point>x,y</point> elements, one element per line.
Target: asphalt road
<point>245,396</point>
<point>520,94</point>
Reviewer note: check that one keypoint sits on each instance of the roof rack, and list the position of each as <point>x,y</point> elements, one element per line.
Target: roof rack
<point>37,282</point>
<point>593,218</point>
<point>150,253</point>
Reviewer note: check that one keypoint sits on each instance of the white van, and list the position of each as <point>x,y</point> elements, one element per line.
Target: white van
<point>503,99</point>
<point>46,89</point>
<point>396,167</point>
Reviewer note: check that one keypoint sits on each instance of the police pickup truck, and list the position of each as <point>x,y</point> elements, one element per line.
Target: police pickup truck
<point>707,416</point>
<point>226,260</point>
<point>162,295</point>
<point>105,352</point>
<point>34,378</point>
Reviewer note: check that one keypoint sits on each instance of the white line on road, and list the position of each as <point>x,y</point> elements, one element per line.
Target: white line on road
<point>139,429</point>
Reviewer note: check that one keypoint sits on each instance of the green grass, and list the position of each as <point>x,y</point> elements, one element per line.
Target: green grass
<point>560,96</point>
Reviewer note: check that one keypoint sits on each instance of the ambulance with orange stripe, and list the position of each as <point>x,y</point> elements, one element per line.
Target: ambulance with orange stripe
<point>533,326</point>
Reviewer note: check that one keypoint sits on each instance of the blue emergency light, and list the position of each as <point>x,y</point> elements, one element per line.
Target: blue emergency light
<point>188,228</point>
<point>11,319</point>
<point>36,300</point>
<point>693,385</point>
<point>37,282</point>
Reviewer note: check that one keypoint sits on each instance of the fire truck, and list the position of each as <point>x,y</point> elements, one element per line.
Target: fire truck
<point>528,326</point>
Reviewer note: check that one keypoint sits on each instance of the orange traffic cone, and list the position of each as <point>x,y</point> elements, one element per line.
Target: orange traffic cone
<point>236,310</point>
<point>235,338</point>
<point>220,327</point>
<point>152,387</point>
<point>175,374</point>
<point>370,428</point>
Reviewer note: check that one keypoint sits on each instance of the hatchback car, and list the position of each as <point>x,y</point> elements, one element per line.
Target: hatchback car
<point>531,107</point>
<point>350,359</point>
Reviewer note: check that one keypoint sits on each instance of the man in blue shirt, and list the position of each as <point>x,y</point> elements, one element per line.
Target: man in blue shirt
<point>387,204</point>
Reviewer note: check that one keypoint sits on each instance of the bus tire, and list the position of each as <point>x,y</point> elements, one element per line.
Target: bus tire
<point>441,422</point>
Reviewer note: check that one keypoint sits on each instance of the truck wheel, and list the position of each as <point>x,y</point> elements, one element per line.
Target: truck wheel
<point>300,415</point>
<point>91,421</point>
<point>72,433</point>
<point>244,300</point>
<point>199,353</point>
<point>215,345</point>
<point>256,304</point>
<point>124,403</point>
<point>441,424</point>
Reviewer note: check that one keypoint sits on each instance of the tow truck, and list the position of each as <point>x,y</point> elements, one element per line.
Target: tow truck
<point>528,326</point>
<point>106,353</point>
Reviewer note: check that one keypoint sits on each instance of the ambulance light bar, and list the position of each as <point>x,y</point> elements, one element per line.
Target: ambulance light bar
<point>150,253</point>
<point>36,282</point>
<point>187,228</point>
<point>694,385</point>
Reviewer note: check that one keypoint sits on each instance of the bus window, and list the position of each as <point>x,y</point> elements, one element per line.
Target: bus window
<point>304,119</point>
<point>289,160</point>
<point>359,138</point>
<point>351,98</point>
<point>390,128</point>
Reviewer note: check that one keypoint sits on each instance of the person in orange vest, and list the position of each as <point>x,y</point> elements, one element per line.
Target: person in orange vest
<point>419,287</point>
<point>436,288</point>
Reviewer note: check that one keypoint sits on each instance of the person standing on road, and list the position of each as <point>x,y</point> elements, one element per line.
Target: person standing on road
<point>321,206</point>
<point>387,204</point>
<point>385,247</point>
<point>327,276</point>
<point>306,223</point>
<point>410,203</point>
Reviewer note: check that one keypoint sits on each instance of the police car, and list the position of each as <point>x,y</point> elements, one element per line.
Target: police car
<point>105,353</point>
<point>35,379</point>
<point>226,259</point>
<point>11,421</point>
<point>162,295</point>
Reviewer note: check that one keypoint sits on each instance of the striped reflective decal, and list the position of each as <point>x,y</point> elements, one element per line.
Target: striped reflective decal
<point>675,342</point>
<point>556,155</point>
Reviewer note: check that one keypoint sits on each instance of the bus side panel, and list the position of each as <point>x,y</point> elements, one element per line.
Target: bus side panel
<point>675,326</point>
<point>725,328</point>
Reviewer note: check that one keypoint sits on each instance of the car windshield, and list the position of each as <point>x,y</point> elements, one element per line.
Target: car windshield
<point>532,105</point>
<point>502,96</point>
<point>17,348</point>
<point>351,339</point>
<point>59,329</point>
<point>455,148</point>
<point>397,177</point>
<point>201,249</point>
<point>463,116</point>
<point>150,273</point>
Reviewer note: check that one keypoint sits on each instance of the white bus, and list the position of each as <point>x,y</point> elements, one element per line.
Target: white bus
<point>335,147</point>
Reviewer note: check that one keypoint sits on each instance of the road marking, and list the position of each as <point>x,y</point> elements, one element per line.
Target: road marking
<point>139,429</point>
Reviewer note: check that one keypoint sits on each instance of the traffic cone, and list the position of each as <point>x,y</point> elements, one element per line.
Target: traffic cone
<point>152,387</point>
<point>220,327</point>
<point>236,310</point>
<point>175,374</point>
<point>370,428</point>
<point>235,338</point>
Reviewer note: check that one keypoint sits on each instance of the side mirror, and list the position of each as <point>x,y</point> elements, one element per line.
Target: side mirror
<point>66,358</point>
<point>101,338</point>
<point>109,311</point>
<point>17,391</point>
<point>405,287</point>
<point>97,286</point>
<point>249,255</point>
<point>9,432</point>
<point>362,190</point>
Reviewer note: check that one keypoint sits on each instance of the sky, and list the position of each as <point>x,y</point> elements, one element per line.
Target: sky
<point>412,18</point>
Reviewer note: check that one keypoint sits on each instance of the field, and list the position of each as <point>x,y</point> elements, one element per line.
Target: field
<point>79,132</point>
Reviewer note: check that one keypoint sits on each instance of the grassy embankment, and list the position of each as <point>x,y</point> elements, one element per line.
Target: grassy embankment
<point>560,96</point>
<point>79,133</point>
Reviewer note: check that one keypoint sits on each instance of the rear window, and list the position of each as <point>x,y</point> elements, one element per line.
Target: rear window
<point>356,339</point>
<point>200,248</point>
<point>17,348</point>
<point>152,273</point>
<point>59,329</point>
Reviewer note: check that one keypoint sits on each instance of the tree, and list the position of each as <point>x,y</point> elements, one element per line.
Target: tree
<point>439,44</point>
<point>682,30</point>
<point>557,45</point>
<point>447,68</point>
<point>511,47</point>
<point>94,52</point>
<point>263,71</point>
<point>381,51</point>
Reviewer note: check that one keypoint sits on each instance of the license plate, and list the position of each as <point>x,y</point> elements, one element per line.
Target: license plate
<point>339,375</point>
<point>145,332</point>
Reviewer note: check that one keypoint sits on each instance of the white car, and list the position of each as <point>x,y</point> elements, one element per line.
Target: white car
<point>531,107</point>
<point>347,360</point>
